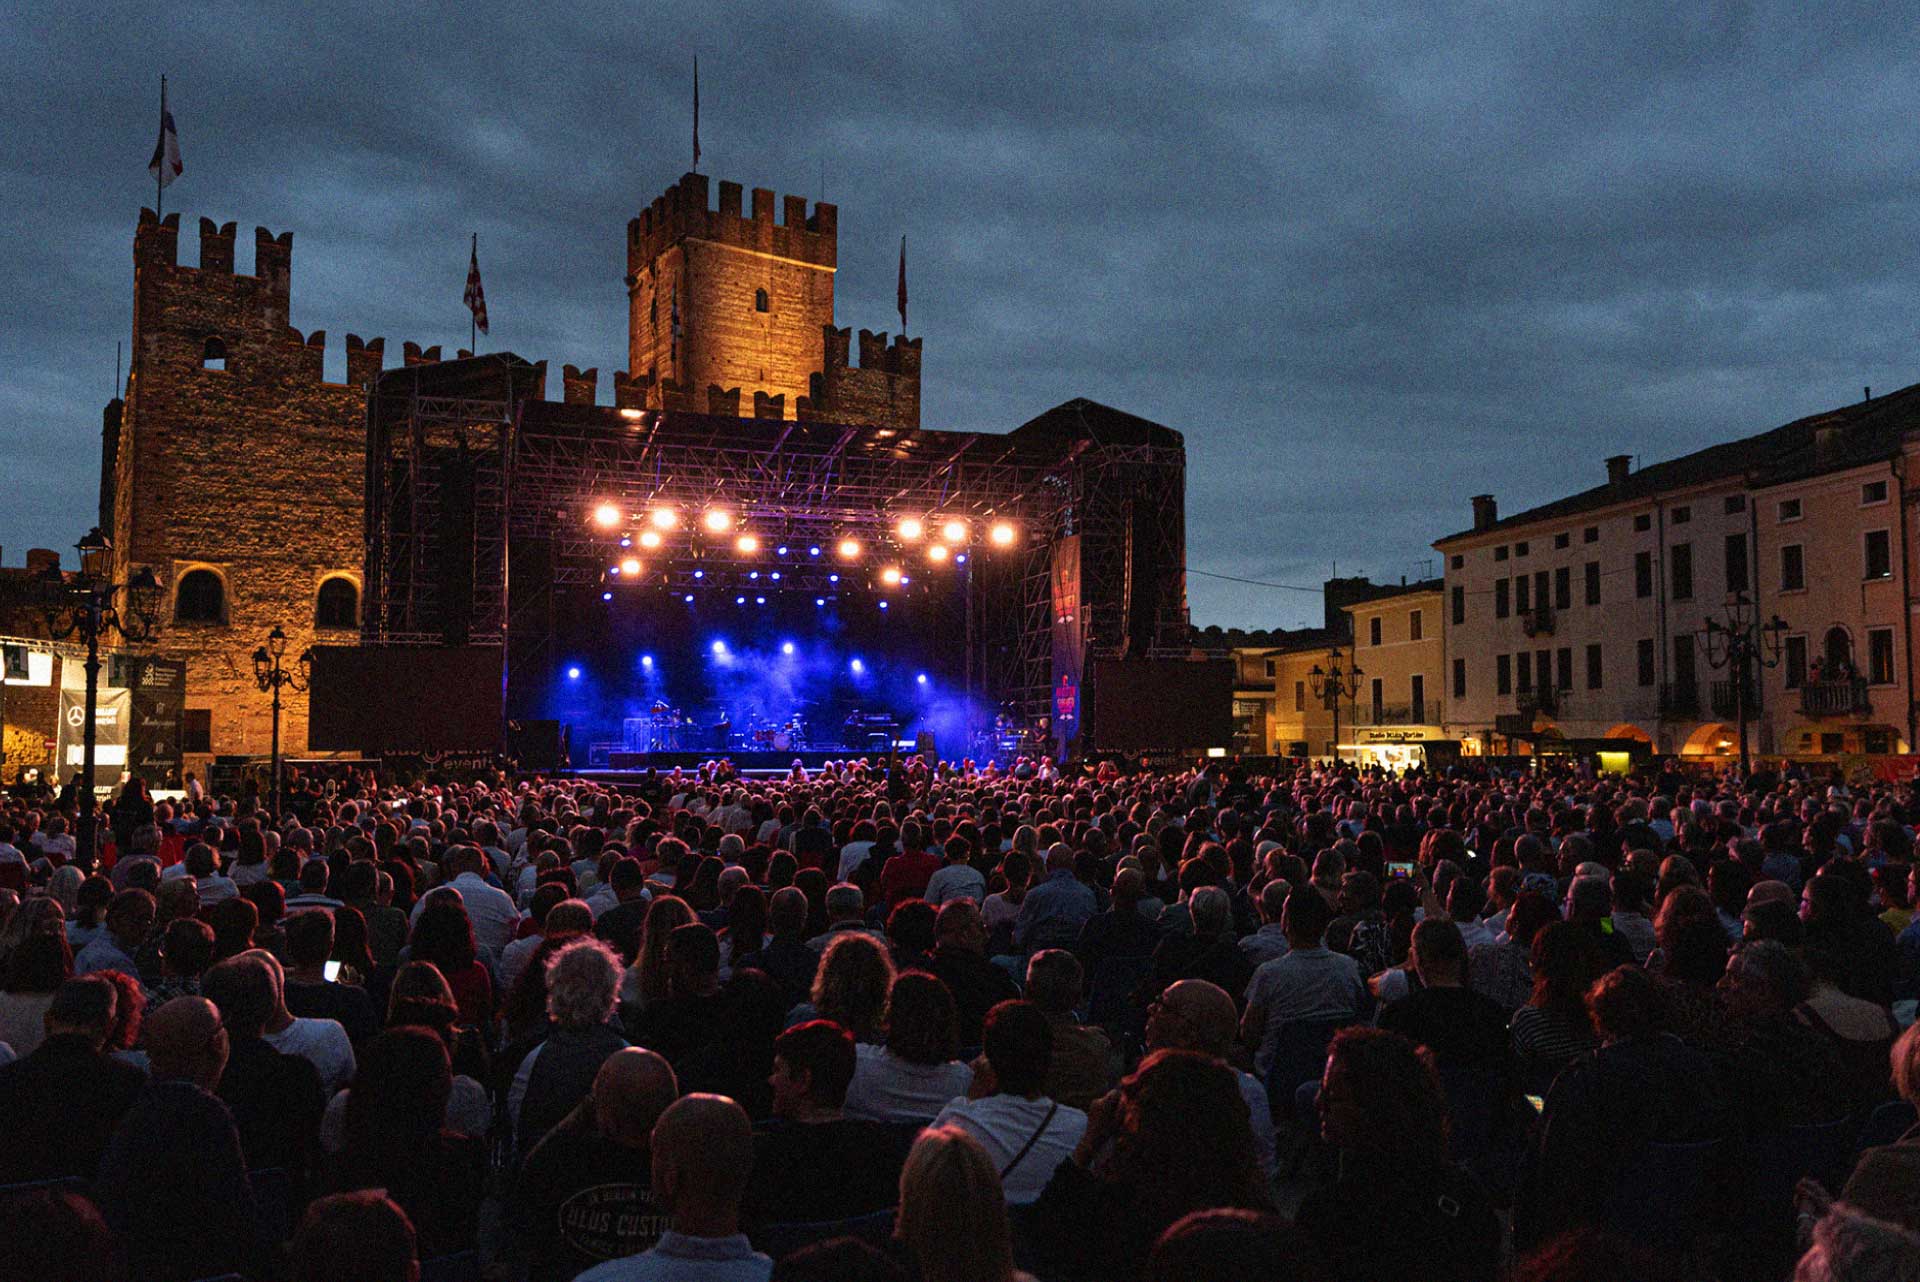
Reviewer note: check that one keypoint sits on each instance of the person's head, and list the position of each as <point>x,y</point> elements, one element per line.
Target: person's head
<point>1273,901</point>
<point>813,1065</point>
<point>1565,963</point>
<point>693,956</point>
<point>1380,1095</point>
<point>187,1042</point>
<point>244,990</point>
<point>186,949</point>
<point>666,914</point>
<point>130,916</point>
<point>40,963</point>
<point>583,984</point>
<point>1018,1044</point>
<point>953,1215</point>
<point>1626,1003</point>
<point>401,1084</point>
<point>1439,953</point>
<point>1055,981</point>
<point>355,1237</point>
<point>1212,912</point>
<point>1589,899</point>
<point>1187,1142</point>
<point>851,985</point>
<point>923,1024</point>
<point>56,1235</point>
<point>1851,1246</point>
<point>1307,916</point>
<point>1234,1245</point>
<point>787,913</point>
<point>845,903</point>
<point>1192,1015</point>
<point>702,1156</point>
<point>631,1090</point>
<point>911,926</point>
<point>309,937</point>
<point>443,934</point>
<point>1763,980</point>
<point>83,1008</point>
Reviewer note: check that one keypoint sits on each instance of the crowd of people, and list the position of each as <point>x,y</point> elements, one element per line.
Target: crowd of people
<point>915,1022</point>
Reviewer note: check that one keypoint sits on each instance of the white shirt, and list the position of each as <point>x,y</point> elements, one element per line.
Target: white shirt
<point>321,1042</point>
<point>469,1112</point>
<point>1260,1113</point>
<point>852,855</point>
<point>492,911</point>
<point>9,855</point>
<point>956,881</point>
<point>886,1088</point>
<point>1004,1123</point>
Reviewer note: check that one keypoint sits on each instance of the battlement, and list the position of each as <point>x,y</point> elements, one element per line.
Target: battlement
<point>900,357</point>
<point>579,386</point>
<point>883,390</point>
<point>156,243</point>
<point>683,212</point>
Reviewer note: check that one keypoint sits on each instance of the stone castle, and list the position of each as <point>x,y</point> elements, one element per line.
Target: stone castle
<point>236,470</point>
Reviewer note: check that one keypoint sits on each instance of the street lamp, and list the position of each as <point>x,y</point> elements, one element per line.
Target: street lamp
<point>88,605</point>
<point>1740,644</point>
<point>1332,684</point>
<point>269,674</point>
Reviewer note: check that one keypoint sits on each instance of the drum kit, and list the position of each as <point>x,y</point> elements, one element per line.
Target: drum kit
<point>775,736</point>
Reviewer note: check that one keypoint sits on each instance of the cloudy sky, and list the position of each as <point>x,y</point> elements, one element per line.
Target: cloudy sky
<point>1371,260</point>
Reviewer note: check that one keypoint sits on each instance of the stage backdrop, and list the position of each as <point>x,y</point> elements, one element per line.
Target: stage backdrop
<point>1179,705</point>
<point>378,699</point>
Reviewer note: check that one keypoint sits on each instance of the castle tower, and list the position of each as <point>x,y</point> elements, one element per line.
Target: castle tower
<point>727,306</point>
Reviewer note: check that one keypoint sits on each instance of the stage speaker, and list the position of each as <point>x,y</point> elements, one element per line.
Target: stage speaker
<point>534,744</point>
<point>923,744</point>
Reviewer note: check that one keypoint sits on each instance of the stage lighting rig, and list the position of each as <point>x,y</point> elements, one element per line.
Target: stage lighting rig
<point>849,549</point>
<point>910,529</point>
<point>718,520</point>
<point>606,516</point>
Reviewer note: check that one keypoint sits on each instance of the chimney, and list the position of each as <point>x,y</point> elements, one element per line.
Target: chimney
<point>1485,512</point>
<point>1617,468</point>
<point>1826,441</point>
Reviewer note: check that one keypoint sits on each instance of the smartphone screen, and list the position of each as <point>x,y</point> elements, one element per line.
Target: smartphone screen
<point>1539,1103</point>
<point>332,972</point>
<point>1399,870</point>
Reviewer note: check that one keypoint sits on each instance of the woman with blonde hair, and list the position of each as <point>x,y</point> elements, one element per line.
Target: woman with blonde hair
<point>852,985</point>
<point>645,982</point>
<point>953,1214</point>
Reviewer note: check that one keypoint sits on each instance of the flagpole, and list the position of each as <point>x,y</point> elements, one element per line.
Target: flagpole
<point>159,177</point>
<point>473,317</point>
<point>696,113</point>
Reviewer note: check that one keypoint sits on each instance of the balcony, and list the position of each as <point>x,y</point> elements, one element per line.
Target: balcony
<point>1537,622</point>
<point>1546,703</point>
<point>1844,698</point>
<point>1721,696</point>
<point>1680,700</point>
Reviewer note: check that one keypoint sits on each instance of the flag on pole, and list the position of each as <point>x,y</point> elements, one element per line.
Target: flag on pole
<point>165,165</point>
<point>696,113</point>
<point>476,298</point>
<point>903,287</point>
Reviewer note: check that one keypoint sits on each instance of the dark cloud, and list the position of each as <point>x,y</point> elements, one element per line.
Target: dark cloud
<point>1369,263</point>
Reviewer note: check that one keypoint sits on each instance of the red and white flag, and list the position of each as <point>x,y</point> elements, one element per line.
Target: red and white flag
<point>476,296</point>
<point>165,165</point>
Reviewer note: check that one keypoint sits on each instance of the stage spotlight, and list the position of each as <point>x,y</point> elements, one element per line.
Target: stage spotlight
<point>739,600</point>
<point>833,578</point>
<point>937,553</point>
<point>775,576</point>
<point>606,596</point>
<point>1002,534</point>
<point>786,647</point>
<point>754,575</point>
<point>718,520</point>
<point>857,666</point>
<point>759,600</point>
<point>781,550</point>
<point>921,679</point>
<point>689,598</point>
<point>813,551</point>
<point>819,600</point>
<point>646,661</point>
<point>961,559</point>
<point>954,531</point>
<point>746,544</point>
<point>606,516</point>
<point>625,542</point>
<point>883,605</point>
<point>699,574</point>
<point>613,569</point>
<point>630,566</point>
<point>890,576</point>
<point>718,646</point>
<point>904,580</point>
<point>910,528</point>
<point>849,549</point>
<point>665,518</point>
<point>573,674</point>
<point>648,539</point>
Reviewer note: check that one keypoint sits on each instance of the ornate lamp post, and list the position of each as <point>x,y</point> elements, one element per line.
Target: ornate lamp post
<point>1741,644</point>
<point>89,605</point>
<point>1333,684</point>
<point>269,674</point>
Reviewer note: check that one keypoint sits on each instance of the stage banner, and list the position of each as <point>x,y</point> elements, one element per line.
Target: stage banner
<point>1069,642</point>
<point>111,707</point>
<point>158,715</point>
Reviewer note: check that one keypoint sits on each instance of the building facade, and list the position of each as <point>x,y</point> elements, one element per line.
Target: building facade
<point>1399,647</point>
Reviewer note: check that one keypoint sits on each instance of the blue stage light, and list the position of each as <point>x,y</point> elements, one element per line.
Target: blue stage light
<point>922,678</point>
<point>759,600</point>
<point>573,674</point>
<point>858,666</point>
<point>754,575</point>
<point>833,578</point>
<point>782,550</point>
<point>904,580</point>
<point>625,542</point>
<point>961,559</point>
<point>776,576</point>
<point>689,598</point>
<point>646,661</point>
<point>606,596</point>
<point>883,605</point>
<point>819,600</point>
<point>699,574</point>
<point>739,600</point>
<point>719,646</point>
<point>814,551</point>
<point>786,647</point>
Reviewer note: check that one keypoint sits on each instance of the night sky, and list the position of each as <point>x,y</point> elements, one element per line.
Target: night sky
<point>1370,265</point>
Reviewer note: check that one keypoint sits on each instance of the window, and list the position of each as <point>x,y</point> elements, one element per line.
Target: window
<point>1459,604</point>
<point>1642,523</point>
<point>1561,540</point>
<point>1789,509</point>
<point>1299,696</point>
<point>1563,587</point>
<point>200,597</point>
<point>338,605</point>
<point>1459,562</point>
<point>1417,688</point>
<point>1459,678</point>
<point>1593,583</point>
<point>1879,558</point>
<point>213,354</point>
<point>1416,626</point>
<point>1880,656</point>
<point>1373,630</point>
<point>1738,576</point>
<point>1593,666</point>
<point>1522,593</point>
<point>1736,503</point>
<point>1520,549</point>
<point>1272,667</point>
<point>196,730</point>
<point>1503,673</point>
<point>1591,534</point>
<point>1685,679</point>
<point>1793,569</point>
<point>1526,671</point>
<point>1643,574</point>
<point>1379,700</point>
<point>1501,587</point>
<point>1682,583</point>
<point>1795,662</point>
<point>1873,492</point>
<point>1643,660</point>
<point>1681,515</point>
<point>1563,668</point>
<point>1500,553</point>
<point>760,300</point>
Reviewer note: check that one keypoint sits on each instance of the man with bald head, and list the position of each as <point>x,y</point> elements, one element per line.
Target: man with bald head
<point>702,1156</point>
<point>1194,1015</point>
<point>584,1194</point>
<point>173,1184</point>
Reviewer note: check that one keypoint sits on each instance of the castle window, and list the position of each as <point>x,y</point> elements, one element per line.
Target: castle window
<point>200,598</point>
<point>760,300</point>
<point>338,605</point>
<point>213,354</point>
<point>653,311</point>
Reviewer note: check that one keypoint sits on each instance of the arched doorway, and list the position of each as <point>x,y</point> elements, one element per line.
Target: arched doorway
<point>1714,739</point>
<point>1627,730</point>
